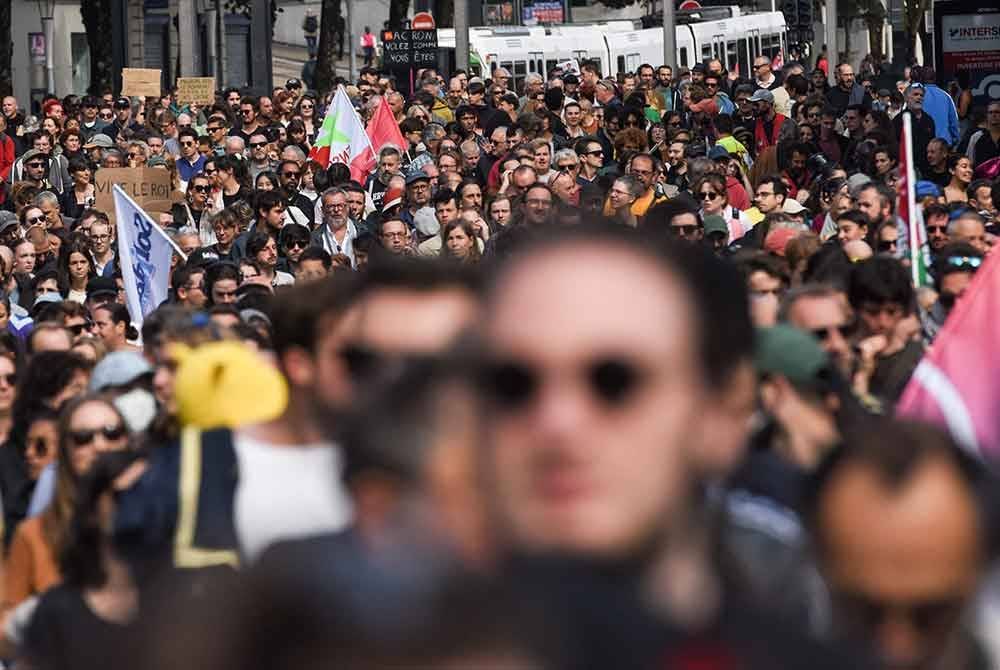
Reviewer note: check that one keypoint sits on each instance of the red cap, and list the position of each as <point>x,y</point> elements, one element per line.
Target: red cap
<point>777,239</point>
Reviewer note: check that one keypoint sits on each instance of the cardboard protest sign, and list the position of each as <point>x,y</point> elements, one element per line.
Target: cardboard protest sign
<point>140,82</point>
<point>150,188</point>
<point>199,90</point>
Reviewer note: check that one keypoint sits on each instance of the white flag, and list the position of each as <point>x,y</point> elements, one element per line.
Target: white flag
<point>144,252</point>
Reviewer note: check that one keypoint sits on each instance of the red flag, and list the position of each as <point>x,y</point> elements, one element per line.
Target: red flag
<point>383,129</point>
<point>955,384</point>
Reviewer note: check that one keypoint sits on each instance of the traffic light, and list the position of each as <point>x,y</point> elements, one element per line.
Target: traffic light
<point>805,14</point>
<point>790,9</point>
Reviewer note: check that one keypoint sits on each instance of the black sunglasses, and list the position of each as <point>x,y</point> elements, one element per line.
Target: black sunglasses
<point>291,175</point>
<point>823,334</point>
<point>296,244</point>
<point>688,229</point>
<point>81,438</point>
<point>201,188</point>
<point>365,364</point>
<point>886,245</point>
<point>512,385</point>
<point>708,195</point>
<point>257,145</point>
<point>78,328</point>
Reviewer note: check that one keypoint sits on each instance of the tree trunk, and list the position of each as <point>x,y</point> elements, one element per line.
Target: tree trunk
<point>97,21</point>
<point>445,14</point>
<point>6,51</point>
<point>875,37</point>
<point>398,9</point>
<point>326,54</point>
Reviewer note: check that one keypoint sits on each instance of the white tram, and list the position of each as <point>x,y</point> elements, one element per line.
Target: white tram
<point>736,39</point>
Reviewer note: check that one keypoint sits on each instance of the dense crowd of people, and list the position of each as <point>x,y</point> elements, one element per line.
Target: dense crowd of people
<point>589,371</point>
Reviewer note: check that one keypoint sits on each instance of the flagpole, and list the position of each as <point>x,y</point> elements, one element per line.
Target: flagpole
<point>911,200</point>
<point>156,226</point>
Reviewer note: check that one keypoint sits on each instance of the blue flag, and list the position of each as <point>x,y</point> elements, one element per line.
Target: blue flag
<point>144,251</point>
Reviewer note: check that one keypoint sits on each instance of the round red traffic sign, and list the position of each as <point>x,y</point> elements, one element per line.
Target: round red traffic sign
<point>690,4</point>
<point>422,21</point>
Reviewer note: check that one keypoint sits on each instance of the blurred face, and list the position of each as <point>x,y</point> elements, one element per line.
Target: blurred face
<point>675,153</point>
<point>107,329</point>
<point>94,429</point>
<point>41,446</point>
<point>827,318</point>
<point>900,567</point>
<point>915,99</point>
<point>685,227</point>
<point>586,410</point>
<point>8,383</point>
<point>224,291</point>
<point>971,232</point>
<point>880,319</point>
<point>537,205</point>
<point>447,164</point>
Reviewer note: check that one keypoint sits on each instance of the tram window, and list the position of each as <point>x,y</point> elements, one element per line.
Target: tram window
<point>621,64</point>
<point>550,65</point>
<point>742,58</point>
<point>732,55</point>
<point>684,57</point>
<point>520,69</point>
<point>706,51</point>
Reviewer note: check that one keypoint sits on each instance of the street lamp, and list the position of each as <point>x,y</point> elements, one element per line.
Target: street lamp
<point>47,10</point>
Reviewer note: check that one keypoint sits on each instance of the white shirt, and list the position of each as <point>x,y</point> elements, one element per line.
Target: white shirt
<point>287,492</point>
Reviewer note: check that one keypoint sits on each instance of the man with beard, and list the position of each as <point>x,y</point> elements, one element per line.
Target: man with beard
<point>337,233</point>
<point>878,203</point>
<point>288,470</point>
<point>798,177</point>
<point>290,176</point>
<point>922,124</point>
<point>389,161</point>
<point>953,270</point>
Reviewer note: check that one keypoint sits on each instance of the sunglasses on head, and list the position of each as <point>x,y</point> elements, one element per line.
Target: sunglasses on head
<point>512,385</point>
<point>82,438</point>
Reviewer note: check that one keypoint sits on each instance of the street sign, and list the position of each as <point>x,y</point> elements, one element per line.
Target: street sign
<point>689,4</point>
<point>422,21</point>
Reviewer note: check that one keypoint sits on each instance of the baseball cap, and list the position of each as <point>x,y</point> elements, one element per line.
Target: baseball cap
<point>425,221</point>
<point>792,353</point>
<point>7,219</point>
<point>571,79</point>
<point>393,197</point>
<point>762,95</point>
<point>927,189</point>
<point>415,176</point>
<point>293,83</point>
<point>101,286</point>
<point>718,152</point>
<point>100,140</point>
<point>714,223</point>
<point>792,206</point>
<point>122,103</point>
<point>89,101</point>
<point>29,154</point>
<point>118,369</point>
<point>776,240</point>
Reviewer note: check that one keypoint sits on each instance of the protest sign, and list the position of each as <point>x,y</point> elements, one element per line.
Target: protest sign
<point>141,82</point>
<point>199,90</point>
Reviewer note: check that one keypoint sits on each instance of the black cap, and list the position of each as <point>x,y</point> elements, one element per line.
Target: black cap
<point>293,83</point>
<point>570,78</point>
<point>90,101</point>
<point>101,286</point>
<point>122,103</point>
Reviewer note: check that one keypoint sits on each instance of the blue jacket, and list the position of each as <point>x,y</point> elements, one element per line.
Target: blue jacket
<point>939,105</point>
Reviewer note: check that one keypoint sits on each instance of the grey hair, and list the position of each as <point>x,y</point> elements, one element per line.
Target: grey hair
<point>565,154</point>
<point>533,78</point>
<point>187,231</point>
<point>333,190</point>
<point>300,155</point>
<point>46,197</point>
<point>634,186</point>
<point>388,150</point>
<point>236,139</point>
<point>433,131</point>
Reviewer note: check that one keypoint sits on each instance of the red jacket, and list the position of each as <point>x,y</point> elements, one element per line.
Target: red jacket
<point>7,156</point>
<point>760,138</point>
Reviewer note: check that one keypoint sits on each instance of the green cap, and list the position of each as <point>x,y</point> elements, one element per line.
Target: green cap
<point>791,353</point>
<point>714,223</point>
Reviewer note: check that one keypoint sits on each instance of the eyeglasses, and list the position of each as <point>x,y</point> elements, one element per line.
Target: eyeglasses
<point>684,231</point>
<point>78,328</point>
<point>106,115</point>
<point>936,229</point>
<point>100,238</point>
<point>291,175</point>
<point>82,438</point>
<point>513,386</point>
<point>296,244</point>
<point>257,145</point>
<point>35,220</point>
<point>213,129</point>
<point>970,262</point>
<point>887,245</point>
<point>708,195</point>
<point>201,188</point>
<point>34,165</point>
<point>764,194</point>
<point>333,207</point>
<point>824,334</point>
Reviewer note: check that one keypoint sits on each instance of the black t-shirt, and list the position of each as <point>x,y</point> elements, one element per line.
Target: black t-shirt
<point>65,633</point>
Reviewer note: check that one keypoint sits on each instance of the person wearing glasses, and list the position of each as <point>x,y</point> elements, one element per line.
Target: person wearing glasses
<point>591,155</point>
<point>822,310</point>
<point>953,271</point>
<point>190,162</point>
<point>259,160</point>
<point>249,118</point>
<point>337,232</point>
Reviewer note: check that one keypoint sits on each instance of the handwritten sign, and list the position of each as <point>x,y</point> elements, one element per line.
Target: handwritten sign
<point>424,47</point>
<point>149,187</point>
<point>199,90</point>
<point>140,82</point>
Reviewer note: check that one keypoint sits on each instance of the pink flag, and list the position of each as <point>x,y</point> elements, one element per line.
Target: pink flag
<point>383,129</point>
<point>955,385</point>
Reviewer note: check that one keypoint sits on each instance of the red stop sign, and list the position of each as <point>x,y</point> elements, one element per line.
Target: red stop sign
<point>422,21</point>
